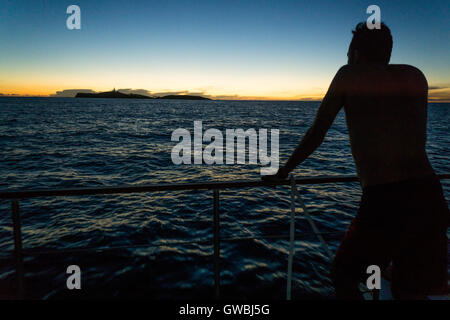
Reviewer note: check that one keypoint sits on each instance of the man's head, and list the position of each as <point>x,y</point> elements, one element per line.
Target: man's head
<point>370,46</point>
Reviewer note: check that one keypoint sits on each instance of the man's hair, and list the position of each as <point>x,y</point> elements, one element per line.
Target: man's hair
<point>374,45</point>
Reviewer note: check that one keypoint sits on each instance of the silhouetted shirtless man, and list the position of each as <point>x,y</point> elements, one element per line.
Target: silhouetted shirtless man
<point>403,216</point>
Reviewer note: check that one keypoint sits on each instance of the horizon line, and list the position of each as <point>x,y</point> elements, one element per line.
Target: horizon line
<point>70,93</point>
<point>211,99</point>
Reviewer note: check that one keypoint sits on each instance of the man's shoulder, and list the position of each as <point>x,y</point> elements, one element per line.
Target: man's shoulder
<point>346,68</point>
<point>348,72</point>
<point>344,73</point>
<point>410,72</point>
<point>352,68</point>
<point>405,68</point>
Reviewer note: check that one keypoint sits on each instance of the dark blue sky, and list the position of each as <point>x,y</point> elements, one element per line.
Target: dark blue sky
<point>284,49</point>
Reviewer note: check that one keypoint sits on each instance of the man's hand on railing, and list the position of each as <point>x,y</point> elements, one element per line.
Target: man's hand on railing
<point>282,174</point>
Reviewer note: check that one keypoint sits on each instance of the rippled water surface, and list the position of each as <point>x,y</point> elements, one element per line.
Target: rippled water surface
<point>67,143</point>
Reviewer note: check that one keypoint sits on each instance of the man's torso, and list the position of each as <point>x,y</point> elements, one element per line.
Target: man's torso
<point>386,112</point>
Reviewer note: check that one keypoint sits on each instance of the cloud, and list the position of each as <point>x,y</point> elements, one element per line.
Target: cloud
<point>70,93</point>
<point>237,97</point>
<point>437,88</point>
<point>441,94</point>
<point>227,97</point>
<point>13,95</point>
<point>166,93</point>
<point>309,99</point>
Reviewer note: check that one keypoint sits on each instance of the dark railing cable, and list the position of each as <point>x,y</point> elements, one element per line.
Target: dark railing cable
<point>18,253</point>
<point>216,245</point>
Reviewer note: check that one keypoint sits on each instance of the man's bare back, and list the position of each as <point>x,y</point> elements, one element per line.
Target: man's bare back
<point>386,113</point>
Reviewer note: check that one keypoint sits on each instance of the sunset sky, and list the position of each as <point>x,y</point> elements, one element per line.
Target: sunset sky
<point>223,49</point>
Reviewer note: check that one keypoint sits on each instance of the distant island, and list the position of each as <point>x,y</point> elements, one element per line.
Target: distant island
<point>183,96</point>
<point>117,94</point>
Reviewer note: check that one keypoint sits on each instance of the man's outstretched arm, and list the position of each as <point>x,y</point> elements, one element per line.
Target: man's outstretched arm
<point>330,106</point>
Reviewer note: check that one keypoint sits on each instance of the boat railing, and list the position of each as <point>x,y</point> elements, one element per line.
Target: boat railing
<point>215,187</point>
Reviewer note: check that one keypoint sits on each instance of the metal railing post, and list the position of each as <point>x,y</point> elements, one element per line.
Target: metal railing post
<point>18,248</point>
<point>216,244</point>
<point>291,241</point>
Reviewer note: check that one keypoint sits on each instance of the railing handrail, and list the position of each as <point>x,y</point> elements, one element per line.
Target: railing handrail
<point>15,196</point>
<point>25,194</point>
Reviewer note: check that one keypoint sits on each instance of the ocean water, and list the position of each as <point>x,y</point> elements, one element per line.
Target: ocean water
<point>67,143</point>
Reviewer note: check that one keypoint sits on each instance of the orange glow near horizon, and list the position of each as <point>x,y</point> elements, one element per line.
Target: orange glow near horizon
<point>434,95</point>
<point>223,87</point>
<point>241,88</point>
